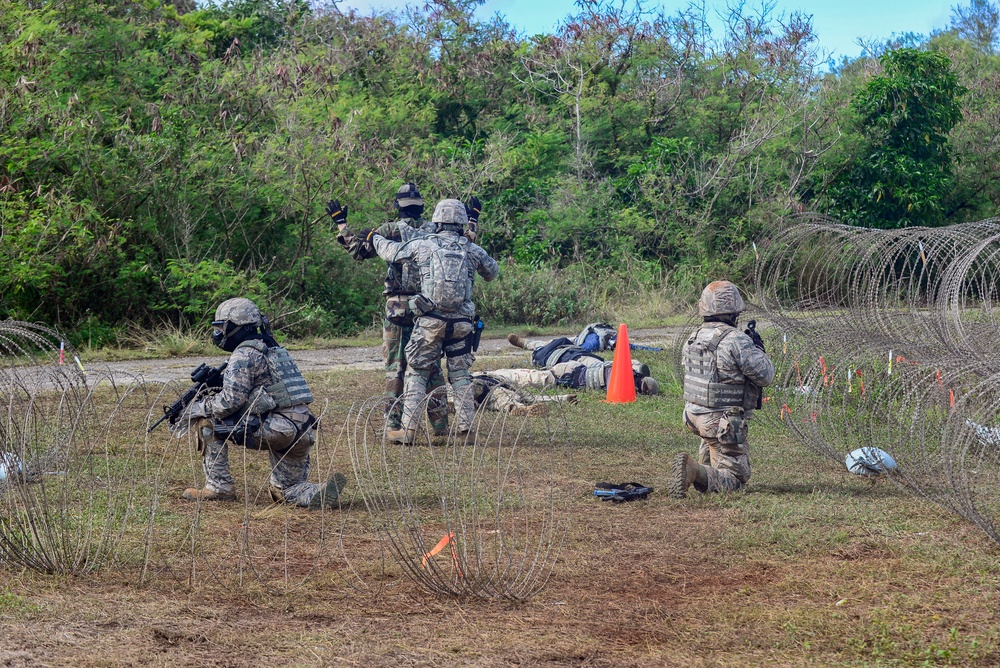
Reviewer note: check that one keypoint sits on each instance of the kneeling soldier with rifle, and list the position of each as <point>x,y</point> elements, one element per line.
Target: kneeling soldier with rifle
<point>261,404</point>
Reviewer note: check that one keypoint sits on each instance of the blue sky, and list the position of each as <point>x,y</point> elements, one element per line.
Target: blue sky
<point>837,24</point>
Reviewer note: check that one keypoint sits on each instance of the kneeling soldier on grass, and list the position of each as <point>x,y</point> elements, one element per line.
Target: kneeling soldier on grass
<point>263,404</point>
<point>724,371</point>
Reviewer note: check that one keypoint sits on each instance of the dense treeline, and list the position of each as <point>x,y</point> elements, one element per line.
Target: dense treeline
<point>157,157</point>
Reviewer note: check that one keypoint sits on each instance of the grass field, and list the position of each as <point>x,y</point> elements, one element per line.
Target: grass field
<point>809,566</point>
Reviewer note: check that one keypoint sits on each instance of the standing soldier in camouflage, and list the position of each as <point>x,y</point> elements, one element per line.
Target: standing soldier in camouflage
<point>443,310</point>
<point>402,283</point>
<point>724,371</point>
<point>263,405</point>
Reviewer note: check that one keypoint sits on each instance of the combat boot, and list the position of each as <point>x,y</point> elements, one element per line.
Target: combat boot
<point>686,472</point>
<point>516,341</point>
<point>206,494</point>
<point>328,495</point>
<point>404,436</point>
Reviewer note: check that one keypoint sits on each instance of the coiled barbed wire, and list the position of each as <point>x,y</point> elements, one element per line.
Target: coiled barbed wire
<point>480,513</point>
<point>65,498</point>
<point>889,339</point>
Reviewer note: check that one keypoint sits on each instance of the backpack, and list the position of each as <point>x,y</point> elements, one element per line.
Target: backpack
<point>449,286</point>
<point>597,336</point>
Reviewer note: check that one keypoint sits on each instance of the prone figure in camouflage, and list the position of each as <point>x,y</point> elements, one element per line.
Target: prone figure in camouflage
<point>501,389</point>
<point>402,283</point>
<point>263,405</point>
<point>724,371</point>
<point>443,311</point>
<point>574,366</point>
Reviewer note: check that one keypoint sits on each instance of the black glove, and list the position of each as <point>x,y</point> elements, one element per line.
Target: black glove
<point>337,212</point>
<point>472,209</point>
<point>751,331</point>
<point>367,249</point>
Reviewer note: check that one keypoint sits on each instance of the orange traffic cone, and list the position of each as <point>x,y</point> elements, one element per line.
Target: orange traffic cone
<point>621,387</point>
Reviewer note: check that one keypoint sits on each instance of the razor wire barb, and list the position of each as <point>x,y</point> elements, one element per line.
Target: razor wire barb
<point>889,339</point>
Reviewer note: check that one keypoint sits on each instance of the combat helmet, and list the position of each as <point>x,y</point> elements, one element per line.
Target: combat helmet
<point>720,298</point>
<point>450,213</point>
<point>407,195</point>
<point>233,319</point>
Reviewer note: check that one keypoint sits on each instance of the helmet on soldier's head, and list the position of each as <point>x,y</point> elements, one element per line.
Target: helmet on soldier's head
<point>238,311</point>
<point>407,195</point>
<point>450,212</point>
<point>648,385</point>
<point>720,298</point>
<point>233,319</point>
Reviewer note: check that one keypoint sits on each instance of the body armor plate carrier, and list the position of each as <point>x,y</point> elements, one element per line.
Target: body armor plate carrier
<point>701,374</point>
<point>595,377</point>
<point>290,388</point>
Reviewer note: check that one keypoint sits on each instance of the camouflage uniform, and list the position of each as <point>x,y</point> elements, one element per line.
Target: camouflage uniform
<point>499,390</point>
<point>438,330</point>
<point>402,282</point>
<point>262,404</point>
<point>740,370</point>
<point>287,434</point>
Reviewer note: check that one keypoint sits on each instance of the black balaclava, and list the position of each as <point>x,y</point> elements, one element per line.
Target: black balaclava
<point>233,335</point>
<point>412,211</point>
<point>725,318</point>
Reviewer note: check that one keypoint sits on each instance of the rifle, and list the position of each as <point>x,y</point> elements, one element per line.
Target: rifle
<point>203,376</point>
<point>751,331</point>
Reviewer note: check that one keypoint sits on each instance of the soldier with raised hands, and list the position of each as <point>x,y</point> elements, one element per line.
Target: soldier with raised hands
<point>724,371</point>
<point>402,283</point>
<point>443,310</point>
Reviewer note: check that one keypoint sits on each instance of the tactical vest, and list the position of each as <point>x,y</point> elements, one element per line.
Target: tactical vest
<point>701,373</point>
<point>482,385</point>
<point>403,278</point>
<point>596,376</point>
<point>558,350</point>
<point>605,333</point>
<point>448,279</point>
<point>290,388</point>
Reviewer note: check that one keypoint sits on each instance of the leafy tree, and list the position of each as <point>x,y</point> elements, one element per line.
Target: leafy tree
<point>901,173</point>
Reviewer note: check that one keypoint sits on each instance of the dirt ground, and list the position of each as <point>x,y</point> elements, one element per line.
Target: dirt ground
<point>810,566</point>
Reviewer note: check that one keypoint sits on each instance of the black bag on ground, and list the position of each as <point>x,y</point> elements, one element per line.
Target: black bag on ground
<point>621,492</point>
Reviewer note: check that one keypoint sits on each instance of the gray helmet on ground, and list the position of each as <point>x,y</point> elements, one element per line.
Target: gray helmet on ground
<point>238,311</point>
<point>407,195</point>
<point>648,385</point>
<point>450,212</point>
<point>720,298</point>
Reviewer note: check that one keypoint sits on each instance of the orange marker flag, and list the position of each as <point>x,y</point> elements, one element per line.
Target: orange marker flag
<point>437,548</point>
<point>621,387</point>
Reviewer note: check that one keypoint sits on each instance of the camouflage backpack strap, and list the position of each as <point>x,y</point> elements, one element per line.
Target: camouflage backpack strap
<point>256,344</point>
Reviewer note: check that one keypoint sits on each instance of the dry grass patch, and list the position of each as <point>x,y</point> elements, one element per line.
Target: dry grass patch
<point>811,566</point>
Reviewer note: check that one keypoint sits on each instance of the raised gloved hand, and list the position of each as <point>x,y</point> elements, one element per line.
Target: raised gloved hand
<point>337,212</point>
<point>472,209</point>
